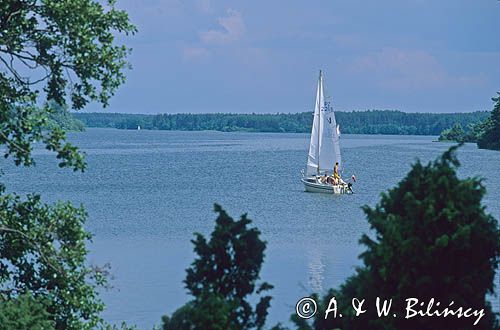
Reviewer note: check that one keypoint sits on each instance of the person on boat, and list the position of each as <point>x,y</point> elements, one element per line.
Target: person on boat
<point>336,175</point>
<point>336,171</point>
<point>324,178</point>
<point>329,179</point>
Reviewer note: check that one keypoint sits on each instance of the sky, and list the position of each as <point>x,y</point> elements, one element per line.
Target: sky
<point>203,56</point>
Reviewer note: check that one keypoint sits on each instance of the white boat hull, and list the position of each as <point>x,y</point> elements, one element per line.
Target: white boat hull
<point>312,185</point>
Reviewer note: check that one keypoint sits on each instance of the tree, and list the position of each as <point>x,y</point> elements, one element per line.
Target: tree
<point>67,47</point>
<point>432,239</point>
<point>222,278</point>
<point>456,133</point>
<point>490,139</point>
<point>63,52</point>
<point>475,131</point>
<point>60,117</point>
<point>24,312</point>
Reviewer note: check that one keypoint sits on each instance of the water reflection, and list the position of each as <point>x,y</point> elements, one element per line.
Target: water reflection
<point>316,270</point>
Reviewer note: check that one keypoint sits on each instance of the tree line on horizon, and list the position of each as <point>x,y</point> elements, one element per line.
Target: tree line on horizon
<point>355,122</point>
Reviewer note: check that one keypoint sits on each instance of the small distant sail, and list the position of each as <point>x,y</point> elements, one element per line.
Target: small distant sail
<point>338,130</point>
<point>138,127</point>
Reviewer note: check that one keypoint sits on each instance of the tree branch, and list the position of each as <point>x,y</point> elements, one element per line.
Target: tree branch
<point>13,71</point>
<point>34,244</point>
<point>17,12</point>
<point>12,143</point>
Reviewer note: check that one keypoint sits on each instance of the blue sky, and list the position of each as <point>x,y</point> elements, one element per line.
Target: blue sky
<point>263,56</point>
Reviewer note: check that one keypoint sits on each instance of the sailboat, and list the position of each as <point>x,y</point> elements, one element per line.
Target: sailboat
<point>324,149</point>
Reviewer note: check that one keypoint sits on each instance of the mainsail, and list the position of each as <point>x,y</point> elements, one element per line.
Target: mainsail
<point>313,156</point>
<point>324,147</point>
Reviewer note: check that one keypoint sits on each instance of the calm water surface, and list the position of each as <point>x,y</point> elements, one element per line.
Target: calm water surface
<point>146,192</point>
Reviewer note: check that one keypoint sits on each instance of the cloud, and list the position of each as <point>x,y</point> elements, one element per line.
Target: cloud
<point>408,69</point>
<point>209,45</point>
<point>232,29</point>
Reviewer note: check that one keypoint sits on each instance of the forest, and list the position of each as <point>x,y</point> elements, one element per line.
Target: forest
<point>352,122</point>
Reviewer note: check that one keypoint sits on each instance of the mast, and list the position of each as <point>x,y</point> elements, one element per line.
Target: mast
<point>319,112</point>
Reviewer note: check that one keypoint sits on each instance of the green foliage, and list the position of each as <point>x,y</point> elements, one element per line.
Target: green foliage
<point>222,278</point>
<point>432,239</point>
<point>25,312</point>
<point>60,117</point>
<point>42,249</point>
<point>356,122</point>
<point>486,133</point>
<point>68,48</point>
<point>456,133</point>
<point>476,131</point>
<point>491,137</point>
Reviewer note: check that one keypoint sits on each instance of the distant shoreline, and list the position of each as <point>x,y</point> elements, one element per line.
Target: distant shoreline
<point>254,132</point>
<point>387,122</point>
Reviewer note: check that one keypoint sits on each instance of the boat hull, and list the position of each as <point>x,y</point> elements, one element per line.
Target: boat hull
<point>311,185</point>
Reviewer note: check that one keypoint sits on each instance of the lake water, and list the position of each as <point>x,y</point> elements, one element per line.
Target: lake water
<point>146,192</point>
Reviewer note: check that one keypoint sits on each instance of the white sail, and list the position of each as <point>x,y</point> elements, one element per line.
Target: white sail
<point>324,148</point>
<point>313,156</point>
<point>329,148</point>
